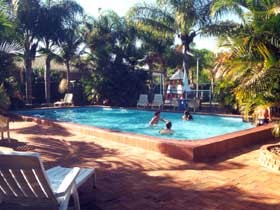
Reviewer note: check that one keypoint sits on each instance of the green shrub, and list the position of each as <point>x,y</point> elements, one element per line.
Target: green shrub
<point>276,130</point>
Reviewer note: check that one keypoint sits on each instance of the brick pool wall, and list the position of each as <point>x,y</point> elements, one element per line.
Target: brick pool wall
<point>197,150</point>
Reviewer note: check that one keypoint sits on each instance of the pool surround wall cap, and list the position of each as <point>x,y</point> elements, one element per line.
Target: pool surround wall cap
<point>133,108</point>
<point>202,150</point>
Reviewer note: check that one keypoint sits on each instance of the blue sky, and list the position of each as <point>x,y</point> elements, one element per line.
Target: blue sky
<point>91,7</point>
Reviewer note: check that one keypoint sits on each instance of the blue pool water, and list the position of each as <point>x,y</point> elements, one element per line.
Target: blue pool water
<point>136,121</point>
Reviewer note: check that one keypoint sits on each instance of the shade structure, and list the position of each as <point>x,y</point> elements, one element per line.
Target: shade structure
<point>177,75</point>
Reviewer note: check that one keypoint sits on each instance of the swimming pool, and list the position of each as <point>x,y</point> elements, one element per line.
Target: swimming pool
<point>136,121</point>
<point>80,120</point>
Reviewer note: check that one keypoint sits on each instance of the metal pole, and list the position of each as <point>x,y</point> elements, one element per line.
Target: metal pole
<point>197,66</point>
<point>163,91</point>
<point>160,86</point>
<point>211,91</point>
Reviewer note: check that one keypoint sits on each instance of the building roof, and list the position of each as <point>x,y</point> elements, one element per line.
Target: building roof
<point>39,63</point>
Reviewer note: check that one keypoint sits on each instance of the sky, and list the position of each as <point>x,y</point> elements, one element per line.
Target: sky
<point>92,8</point>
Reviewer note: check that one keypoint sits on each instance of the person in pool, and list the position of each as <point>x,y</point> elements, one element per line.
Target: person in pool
<point>263,115</point>
<point>156,118</point>
<point>187,116</point>
<point>167,129</point>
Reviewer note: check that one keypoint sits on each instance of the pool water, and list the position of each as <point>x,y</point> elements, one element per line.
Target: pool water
<point>136,121</point>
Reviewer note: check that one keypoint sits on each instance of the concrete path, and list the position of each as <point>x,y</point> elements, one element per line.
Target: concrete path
<point>130,178</point>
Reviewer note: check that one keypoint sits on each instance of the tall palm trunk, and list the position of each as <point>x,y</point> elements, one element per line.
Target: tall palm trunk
<point>187,39</point>
<point>47,74</point>
<point>185,62</point>
<point>47,79</point>
<point>28,77</point>
<point>68,75</point>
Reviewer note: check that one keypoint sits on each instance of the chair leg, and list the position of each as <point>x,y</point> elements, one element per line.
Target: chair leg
<point>94,179</point>
<point>9,139</point>
<point>2,135</point>
<point>76,198</point>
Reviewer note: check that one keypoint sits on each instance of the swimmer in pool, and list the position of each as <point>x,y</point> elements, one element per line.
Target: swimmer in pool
<point>187,116</point>
<point>167,129</point>
<point>155,119</point>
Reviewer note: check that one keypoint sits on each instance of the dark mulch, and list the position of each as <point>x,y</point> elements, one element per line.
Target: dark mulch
<point>275,149</point>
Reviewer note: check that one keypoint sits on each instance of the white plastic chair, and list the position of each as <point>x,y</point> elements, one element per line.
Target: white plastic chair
<point>68,100</point>
<point>24,182</point>
<point>194,104</point>
<point>143,101</point>
<point>158,101</point>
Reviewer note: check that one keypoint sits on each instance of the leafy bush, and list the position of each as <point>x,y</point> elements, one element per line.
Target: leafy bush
<point>276,130</point>
<point>117,83</point>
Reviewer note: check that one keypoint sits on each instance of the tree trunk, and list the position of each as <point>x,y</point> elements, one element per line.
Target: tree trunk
<point>187,39</point>
<point>151,89</point>
<point>185,62</point>
<point>28,78</point>
<point>47,79</point>
<point>68,75</point>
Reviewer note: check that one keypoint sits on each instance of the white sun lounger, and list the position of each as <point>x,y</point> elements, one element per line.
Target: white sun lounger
<point>68,100</point>
<point>24,182</point>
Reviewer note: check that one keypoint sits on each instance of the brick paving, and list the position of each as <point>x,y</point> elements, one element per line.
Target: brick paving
<point>130,178</point>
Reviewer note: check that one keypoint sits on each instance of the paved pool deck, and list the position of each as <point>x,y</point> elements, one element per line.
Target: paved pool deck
<point>131,178</point>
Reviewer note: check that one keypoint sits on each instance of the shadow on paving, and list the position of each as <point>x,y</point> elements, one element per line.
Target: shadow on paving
<point>16,145</point>
<point>131,188</point>
<point>128,185</point>
<point>70,153</point>
<point>43,129</point>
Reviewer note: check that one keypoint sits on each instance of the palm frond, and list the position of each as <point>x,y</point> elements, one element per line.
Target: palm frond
<point>154,17</point>
<point>13,48</point>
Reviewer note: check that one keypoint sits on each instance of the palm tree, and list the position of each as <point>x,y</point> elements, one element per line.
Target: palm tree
<point>69,49</point>
<point>185,18</point>
<point>27,19</point>
<point>252,64</point>
<point>113,55</point>
<point>53,17</point>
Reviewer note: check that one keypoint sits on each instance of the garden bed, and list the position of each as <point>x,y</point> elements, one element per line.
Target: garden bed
<point>270,157</point>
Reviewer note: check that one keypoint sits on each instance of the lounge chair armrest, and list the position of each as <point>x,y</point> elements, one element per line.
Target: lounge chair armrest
<point>68,182</point>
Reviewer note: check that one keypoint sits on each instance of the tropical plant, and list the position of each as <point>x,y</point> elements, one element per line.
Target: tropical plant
<point>54,15</point>
<point>69,49</point>
<point>114,54</point>
<point>6,28</point>
<point>205,60</point>
<point>157,51</point>
<point>276,130</point>
<point>185,18</point>
<point>252,62</point>
<point>27,26</point>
